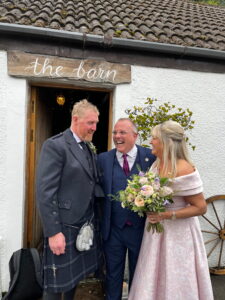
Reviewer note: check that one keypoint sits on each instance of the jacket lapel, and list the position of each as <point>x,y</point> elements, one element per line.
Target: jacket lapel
<point>93,159</point>
<point>76,151</point>
<point>144,159</point>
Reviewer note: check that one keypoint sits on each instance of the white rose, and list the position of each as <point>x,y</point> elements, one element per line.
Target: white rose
<point>130,198</point>
<point>143,180</point>
<point>165,191</point>
<point>156,185</point>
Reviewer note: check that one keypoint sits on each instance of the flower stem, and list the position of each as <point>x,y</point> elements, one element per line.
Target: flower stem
<point>157,227</point>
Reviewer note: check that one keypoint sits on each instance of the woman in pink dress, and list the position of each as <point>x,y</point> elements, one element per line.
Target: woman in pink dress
<point>173,265</point>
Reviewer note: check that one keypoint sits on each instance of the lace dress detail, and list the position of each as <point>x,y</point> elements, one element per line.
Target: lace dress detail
<point>173,265</point>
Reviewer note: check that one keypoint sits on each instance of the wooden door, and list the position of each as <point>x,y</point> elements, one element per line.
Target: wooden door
<point>47,118</point>
<point>39,129</point>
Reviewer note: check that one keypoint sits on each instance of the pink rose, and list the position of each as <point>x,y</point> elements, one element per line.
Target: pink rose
<point>147,190</point>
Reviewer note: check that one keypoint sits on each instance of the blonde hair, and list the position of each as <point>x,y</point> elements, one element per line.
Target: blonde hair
<point>172,136</point>
<point>80,107</point>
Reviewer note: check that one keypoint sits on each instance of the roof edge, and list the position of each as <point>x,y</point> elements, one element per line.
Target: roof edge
<point>98,40</point>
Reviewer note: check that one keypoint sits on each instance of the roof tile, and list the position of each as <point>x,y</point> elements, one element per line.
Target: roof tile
<point>165,21</point>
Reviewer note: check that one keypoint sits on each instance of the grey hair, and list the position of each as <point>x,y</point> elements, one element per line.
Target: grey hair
<point>172,136</point>
<point>133,125</point>
<point>80,107</point>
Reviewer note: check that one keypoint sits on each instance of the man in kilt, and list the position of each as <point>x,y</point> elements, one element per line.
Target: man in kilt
<point>66,187</point>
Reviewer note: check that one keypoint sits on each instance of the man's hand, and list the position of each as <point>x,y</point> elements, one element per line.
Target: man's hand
<point>57,243</point>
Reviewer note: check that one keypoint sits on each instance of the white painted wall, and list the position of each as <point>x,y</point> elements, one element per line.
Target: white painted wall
<point>203,93</point>
<point>13,97</point>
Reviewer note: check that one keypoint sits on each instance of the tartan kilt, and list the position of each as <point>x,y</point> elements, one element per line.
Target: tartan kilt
<point>63,272</point>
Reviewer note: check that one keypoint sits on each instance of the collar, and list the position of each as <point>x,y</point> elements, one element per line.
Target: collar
<point>78,140</point>
<point>131,153</point>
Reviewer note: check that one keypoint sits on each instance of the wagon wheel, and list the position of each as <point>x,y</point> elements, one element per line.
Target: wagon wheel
<point>214,234</point>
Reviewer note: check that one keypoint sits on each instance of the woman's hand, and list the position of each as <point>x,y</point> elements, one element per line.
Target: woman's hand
<point>154,217</point>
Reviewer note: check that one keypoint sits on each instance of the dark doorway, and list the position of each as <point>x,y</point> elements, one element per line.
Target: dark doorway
<point>47,118</point>
<point>60,115</point>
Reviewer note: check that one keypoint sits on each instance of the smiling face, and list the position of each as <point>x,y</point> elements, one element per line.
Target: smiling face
<point>157,146</point>
<point>85,125</point>
<point>124,136</point>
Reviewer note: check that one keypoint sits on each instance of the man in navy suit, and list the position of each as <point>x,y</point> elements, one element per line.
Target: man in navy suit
<point>122,229</point>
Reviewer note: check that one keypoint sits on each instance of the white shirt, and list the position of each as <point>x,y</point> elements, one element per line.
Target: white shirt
<point>78,140</point>
<point>131,157</point>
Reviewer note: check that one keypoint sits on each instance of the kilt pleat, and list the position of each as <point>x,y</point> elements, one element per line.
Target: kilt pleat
<point>63,272</point>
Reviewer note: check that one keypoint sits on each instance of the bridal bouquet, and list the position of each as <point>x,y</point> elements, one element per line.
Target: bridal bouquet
<point>147,192</point>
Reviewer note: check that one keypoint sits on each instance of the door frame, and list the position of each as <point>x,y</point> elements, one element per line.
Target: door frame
<point>30,207</point>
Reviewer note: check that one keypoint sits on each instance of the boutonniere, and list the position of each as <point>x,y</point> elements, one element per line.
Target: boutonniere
<point>146,159</point>
<point>92,147</point>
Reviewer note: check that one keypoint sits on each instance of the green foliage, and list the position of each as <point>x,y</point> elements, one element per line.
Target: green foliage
<point>118,33</point>
<point>211,2</point>
<point>150,115</point>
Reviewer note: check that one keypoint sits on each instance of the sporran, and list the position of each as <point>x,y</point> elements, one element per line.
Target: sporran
<point>85,237</point>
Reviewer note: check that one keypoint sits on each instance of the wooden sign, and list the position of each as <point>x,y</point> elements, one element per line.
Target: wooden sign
<point>23,64</point>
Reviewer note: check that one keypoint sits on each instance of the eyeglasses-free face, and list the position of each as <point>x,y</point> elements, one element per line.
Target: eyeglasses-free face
<point>157,146</point>
<point>86,125</point>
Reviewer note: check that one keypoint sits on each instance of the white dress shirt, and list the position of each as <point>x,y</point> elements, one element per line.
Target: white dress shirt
<point>78,140</point>
<point>131,157</point>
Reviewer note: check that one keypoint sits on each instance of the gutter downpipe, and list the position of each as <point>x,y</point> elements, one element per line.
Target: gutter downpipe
<point>98,40</point>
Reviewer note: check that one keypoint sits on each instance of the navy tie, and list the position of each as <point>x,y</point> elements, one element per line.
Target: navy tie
<point>84,146</point>
<point>87,153</point>
<point>125,165</point>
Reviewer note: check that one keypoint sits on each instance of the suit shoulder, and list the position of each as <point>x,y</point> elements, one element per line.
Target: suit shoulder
<point>107,153</point>
<point>52,140</point>
<point>57,136</point>
<point>145,150</point>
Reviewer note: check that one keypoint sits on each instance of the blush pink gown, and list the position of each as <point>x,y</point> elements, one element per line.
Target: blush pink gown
<point>173,265</point>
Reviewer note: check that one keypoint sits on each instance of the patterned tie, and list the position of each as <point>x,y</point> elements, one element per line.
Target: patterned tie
<point>125,165</point>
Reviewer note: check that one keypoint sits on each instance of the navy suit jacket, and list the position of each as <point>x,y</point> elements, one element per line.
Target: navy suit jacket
<point>105,163</point>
